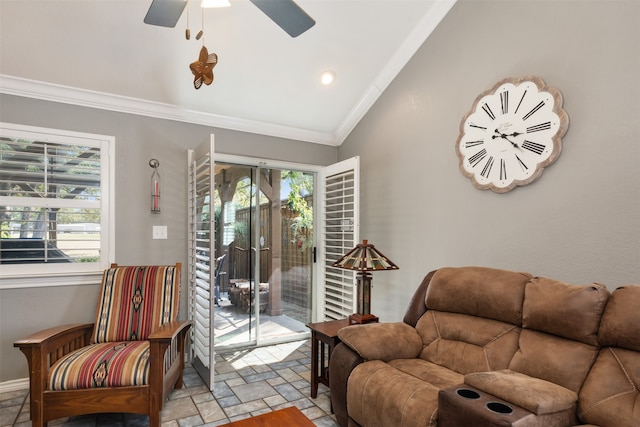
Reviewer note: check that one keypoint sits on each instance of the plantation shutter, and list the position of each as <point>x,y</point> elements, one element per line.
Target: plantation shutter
<point>201,259</point>
<point>53,199</point>
<point>339,234</point>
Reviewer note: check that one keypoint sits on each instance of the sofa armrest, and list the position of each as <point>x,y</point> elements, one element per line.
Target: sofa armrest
<point>382,341</point>
<point>533,394</point>
<point>343,361</point>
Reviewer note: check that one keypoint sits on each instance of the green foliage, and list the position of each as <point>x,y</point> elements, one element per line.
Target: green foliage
<point>300,185</point>
<point>88,259</point>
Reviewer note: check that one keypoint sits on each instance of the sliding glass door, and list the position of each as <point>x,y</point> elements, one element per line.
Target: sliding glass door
<point>263,220</point>
<point>252,255</point>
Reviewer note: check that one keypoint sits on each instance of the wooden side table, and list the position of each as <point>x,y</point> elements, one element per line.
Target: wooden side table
<point>324,338</point>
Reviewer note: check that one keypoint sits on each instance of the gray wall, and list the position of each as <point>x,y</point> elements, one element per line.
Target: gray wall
<point>138,139</point>
<point>580,222</point>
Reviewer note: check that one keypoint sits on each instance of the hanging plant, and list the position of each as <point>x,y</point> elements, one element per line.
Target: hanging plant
<point>302,214</point>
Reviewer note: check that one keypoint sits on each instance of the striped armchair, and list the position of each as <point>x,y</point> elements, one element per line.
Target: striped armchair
<point>127,361</point>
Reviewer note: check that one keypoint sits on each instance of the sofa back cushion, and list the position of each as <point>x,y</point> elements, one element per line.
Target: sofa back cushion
<point>568,311</point>
<point>620,326</point>
<point>473,318</point>
<point>560,323</point>
<point>465,343</point>
<point>478,291</point>
<point>610,395</point>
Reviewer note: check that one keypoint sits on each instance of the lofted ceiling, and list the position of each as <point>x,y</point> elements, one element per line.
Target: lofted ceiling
<point>99,53</point>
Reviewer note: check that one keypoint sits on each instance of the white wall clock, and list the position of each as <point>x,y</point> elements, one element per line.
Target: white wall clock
<point>513,131</point>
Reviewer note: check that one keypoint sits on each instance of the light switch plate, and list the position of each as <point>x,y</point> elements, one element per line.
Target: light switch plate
<point>159,231</point>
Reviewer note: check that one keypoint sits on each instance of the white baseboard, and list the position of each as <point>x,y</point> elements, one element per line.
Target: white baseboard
<point>14,385</point>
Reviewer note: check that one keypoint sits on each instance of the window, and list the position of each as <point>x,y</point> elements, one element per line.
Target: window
<point>55,198</point>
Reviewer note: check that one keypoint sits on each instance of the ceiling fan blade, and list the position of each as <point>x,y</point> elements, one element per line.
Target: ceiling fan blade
<point>287,14</point>
<point>165,13</point>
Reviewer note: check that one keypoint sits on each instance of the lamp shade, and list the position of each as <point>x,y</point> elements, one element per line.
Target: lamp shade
<point>365,257</point>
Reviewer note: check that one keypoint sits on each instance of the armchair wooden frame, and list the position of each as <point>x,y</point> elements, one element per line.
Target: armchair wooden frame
<point>44,348</point>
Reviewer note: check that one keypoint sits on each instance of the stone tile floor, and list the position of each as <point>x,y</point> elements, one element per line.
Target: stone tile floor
<point>248,382</point>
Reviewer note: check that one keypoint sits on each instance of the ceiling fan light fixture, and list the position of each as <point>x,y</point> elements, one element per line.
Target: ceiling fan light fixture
<point>327,77</point>
<point>215,3</point>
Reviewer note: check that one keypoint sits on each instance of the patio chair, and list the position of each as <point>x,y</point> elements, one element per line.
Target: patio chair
<point>127,361</point>
<point>218,273</point>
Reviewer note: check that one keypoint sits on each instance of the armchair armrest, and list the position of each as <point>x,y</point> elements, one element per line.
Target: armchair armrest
<point>53,343</point>
<point>44,348</point>
<point>47,336</point>
<point>167,345</point>
<point>169,331</point>
<point>382,341</point>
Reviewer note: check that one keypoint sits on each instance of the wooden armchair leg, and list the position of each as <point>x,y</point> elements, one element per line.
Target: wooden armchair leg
<point>179,383</point>
<point>36,384</point>
<point>154,418</point>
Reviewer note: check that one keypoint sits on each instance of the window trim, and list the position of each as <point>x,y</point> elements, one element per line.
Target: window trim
<point>22,275</point>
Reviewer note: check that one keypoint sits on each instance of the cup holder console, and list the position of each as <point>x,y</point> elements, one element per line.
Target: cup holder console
<point>468,393</point>
<point>500,408</point>
<point>463,405</point>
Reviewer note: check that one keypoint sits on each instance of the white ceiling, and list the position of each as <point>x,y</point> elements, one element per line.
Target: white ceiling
<point>99,53</point>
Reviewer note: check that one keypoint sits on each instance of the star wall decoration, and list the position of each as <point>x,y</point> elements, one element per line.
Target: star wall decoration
<point>202,69</point>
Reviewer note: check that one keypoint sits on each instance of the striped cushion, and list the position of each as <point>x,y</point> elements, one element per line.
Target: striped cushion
<point>117,364</point>
<point>134,301</point>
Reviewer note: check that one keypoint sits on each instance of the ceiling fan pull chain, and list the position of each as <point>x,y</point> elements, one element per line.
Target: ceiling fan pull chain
<point>201,32</point>
<point>187,33</point>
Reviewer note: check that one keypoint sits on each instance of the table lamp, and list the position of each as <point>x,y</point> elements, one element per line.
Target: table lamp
<point>363,259</point>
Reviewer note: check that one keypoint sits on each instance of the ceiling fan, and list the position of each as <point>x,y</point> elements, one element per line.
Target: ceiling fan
<point>286,13</point>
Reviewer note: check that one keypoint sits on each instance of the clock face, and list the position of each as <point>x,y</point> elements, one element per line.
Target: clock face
<point>511,133</point>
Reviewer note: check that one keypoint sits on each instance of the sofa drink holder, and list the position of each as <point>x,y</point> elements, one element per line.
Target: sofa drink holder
<point>462,405</point>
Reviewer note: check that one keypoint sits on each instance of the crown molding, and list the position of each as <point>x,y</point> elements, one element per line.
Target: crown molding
<point>18,86</point>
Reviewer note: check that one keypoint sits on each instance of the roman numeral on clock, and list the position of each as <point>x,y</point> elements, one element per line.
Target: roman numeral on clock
<point>533,146</point>
<point>533,110</point>
<point>473,125</point>
<point>521,162</point>
<point>470,144</point>
<point>504,100</point>
<point>538,128</point>
<point>520,103</point>
<point>486,170</point>
<point>487,110</point>
<point>476,158</point>
<point>503,170</point>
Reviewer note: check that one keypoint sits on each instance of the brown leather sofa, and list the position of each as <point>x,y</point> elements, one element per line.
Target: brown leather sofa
<point>487,347</point>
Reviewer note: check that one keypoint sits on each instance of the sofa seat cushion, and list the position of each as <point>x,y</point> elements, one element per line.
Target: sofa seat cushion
<point>533,394</point>
<point>116,364</point>
<point>436,375</point>
<point>379,395</point>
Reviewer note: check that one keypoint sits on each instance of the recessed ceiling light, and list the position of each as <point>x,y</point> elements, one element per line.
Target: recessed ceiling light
<point>327,77</point>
